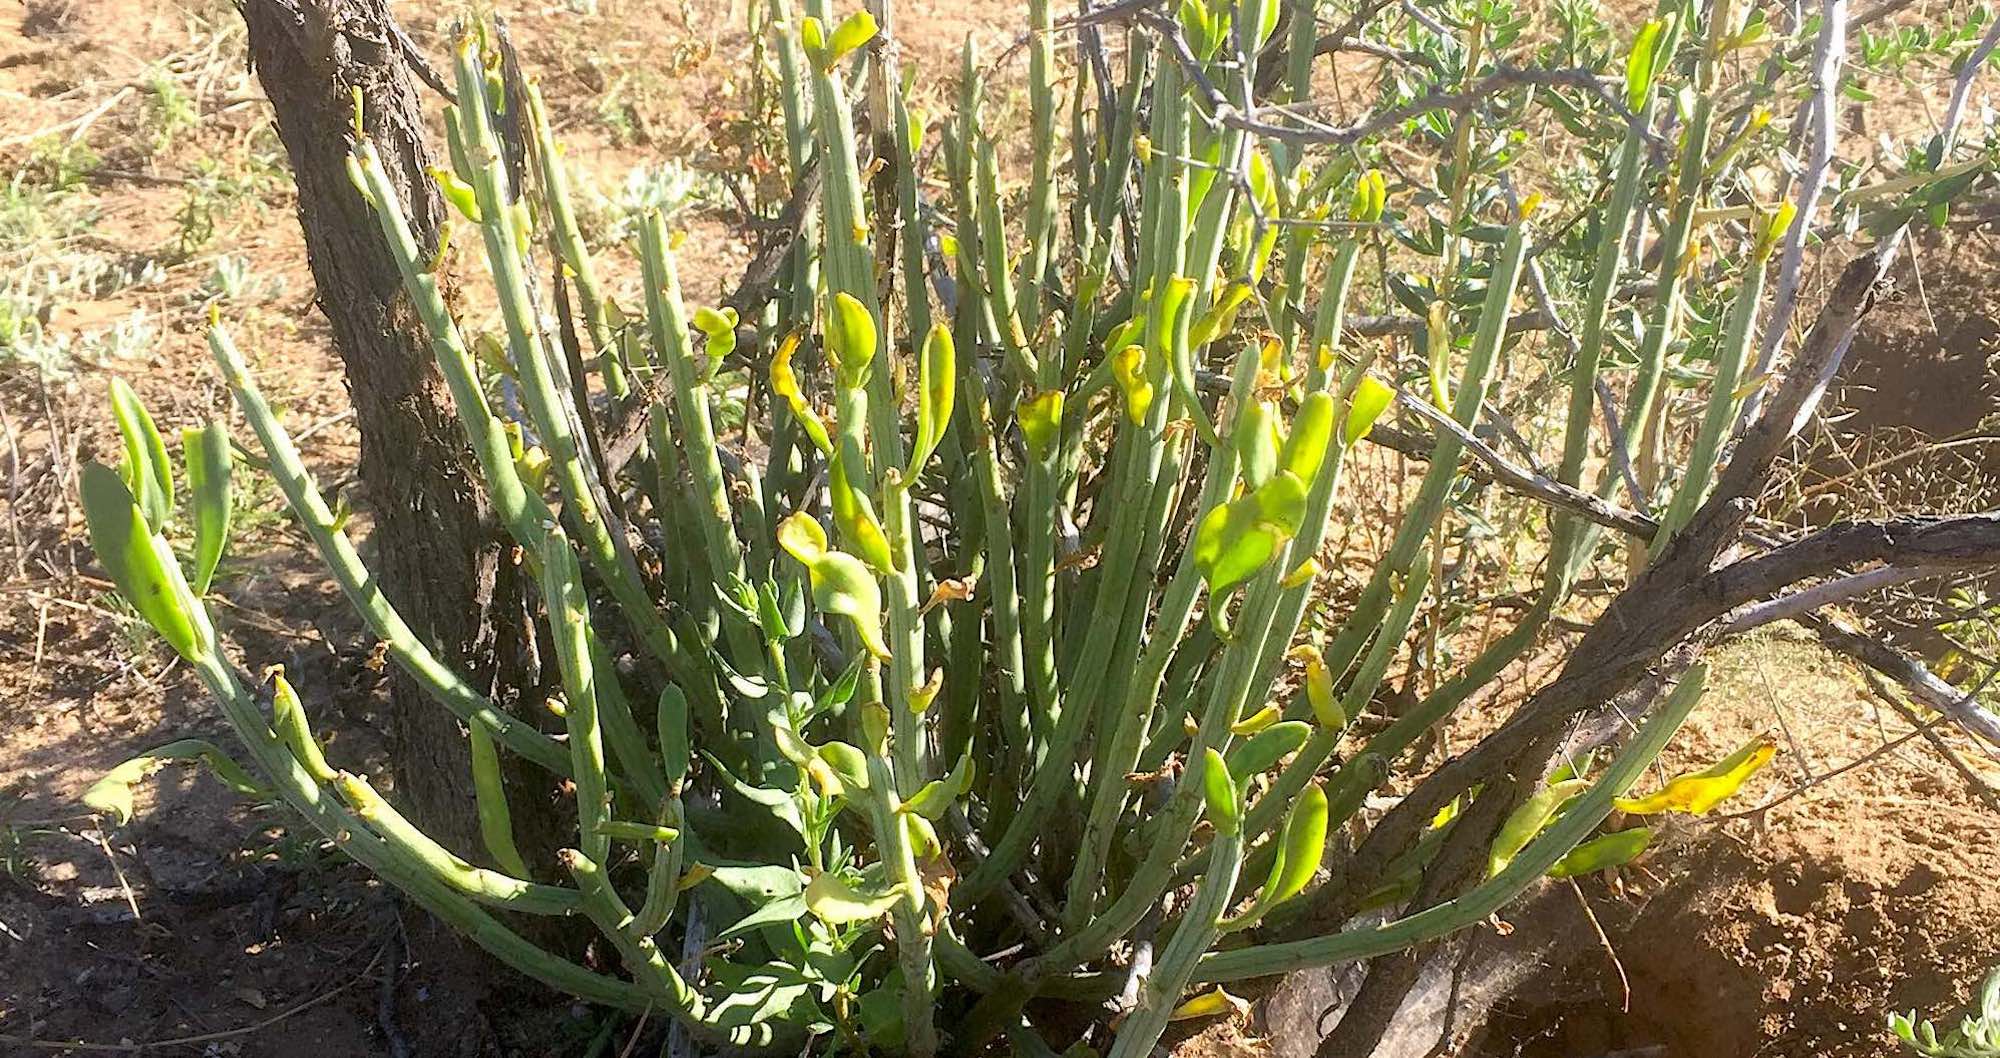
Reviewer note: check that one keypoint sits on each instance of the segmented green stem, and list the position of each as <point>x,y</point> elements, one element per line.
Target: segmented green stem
<point>361,587</point>
<point>1474,906</point>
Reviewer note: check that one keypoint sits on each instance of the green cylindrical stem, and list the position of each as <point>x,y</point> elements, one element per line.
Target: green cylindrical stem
<point>569,621</point>
<point>361,587</point>
<point>1198,928</point>
<point>496,821</point>
<point>487,887</point>
<point>1474,906</point>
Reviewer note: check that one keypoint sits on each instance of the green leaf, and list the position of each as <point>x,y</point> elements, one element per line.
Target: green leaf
<point>848,762</point>
<point>1643,64</point>
<point>758,885</point>
<point>1602,853</point>
<point>850,337</point>
<point>1371,398</point>
<point>720,329</point>
<point>936,389</point>
<point>627,830</point>
<point>1528,820</point>
<point>112,795</point>
<point>937,796</point>
<point>288,722</point>
<point>1041,422</point>
<point>771,614</point>
<point>1267,747</point>
<point>140,563</point>
<point>1301,846</point>
<point>1312,432</point>
<point>837,903</point>
<point>457,192</point>
<point>672,720</point>
<point>208,456</point>
<point>1225,807</point>
<point>765,994</point>
<point>1236,539</point>
<point>1221,316</point>
<point>781,911</point>
<point>802,538</point>
<point>145,469</point>
<point>854,516</point>
<point>1371,195</point>
<point>843,585</point>
<point>1256,441</point>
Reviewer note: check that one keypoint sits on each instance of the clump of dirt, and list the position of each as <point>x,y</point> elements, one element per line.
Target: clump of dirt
<point>1794,919</point>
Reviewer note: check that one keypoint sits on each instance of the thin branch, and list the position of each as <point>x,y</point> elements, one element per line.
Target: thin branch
<point>1831,50</point>
<point>1515,476</point>
<point>1807,600</point>
<point>1925,686</point>
<point>1455,100</point>
<point>1973,782</point>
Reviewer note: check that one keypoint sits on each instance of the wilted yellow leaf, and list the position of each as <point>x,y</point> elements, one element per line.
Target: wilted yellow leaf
<point>1697,793</point>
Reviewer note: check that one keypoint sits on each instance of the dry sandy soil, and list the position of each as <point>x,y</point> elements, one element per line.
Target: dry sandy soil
<point>147,167</point>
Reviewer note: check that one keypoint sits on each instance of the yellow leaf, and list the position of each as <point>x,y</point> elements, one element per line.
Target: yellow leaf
<point>1257,721</point>
<point>837,903</point>
<point>1210,1003</point>
<point>1697,793</point>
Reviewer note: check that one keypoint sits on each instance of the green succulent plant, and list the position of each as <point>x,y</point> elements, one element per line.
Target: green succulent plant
<point>977,629</point>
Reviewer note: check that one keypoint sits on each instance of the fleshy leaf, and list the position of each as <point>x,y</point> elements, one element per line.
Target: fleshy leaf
<point>1697,793</point>
<point>1128,370</point>
<point>112,794</point>
<point>208,461</point>
<point>1225,807</point>
<point>1236,539</point>
<point>855,517</point>
<point>1371,398</point>
<point>145,470</point>
<point>1528,820</point>
<point>936,392</point>
<point>1209,1004</point>
<point>855,30</point>
<point>848,762</point>
<point>851,338</point>
<point>785,383</point>
<point>1267,747</point>
<point>1642,64</point>
<point>1319,690</point>
<point>1602,853</point>
<point>140,563</point>
<point>837,903</point>
<point>1256,440</point>
<point>1311,433</point>
<point>1257,721</point>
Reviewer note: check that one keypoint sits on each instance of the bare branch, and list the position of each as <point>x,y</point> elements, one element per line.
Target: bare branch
<point>1926,686</point>
<point>1546,489</point>
<point>1807,600</point>
<point>1831,50</point>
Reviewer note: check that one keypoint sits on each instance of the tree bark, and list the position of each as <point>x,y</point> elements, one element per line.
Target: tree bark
<point>437,548</point>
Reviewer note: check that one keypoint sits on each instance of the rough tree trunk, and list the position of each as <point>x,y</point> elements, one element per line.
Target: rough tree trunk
<point>438,551</point>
